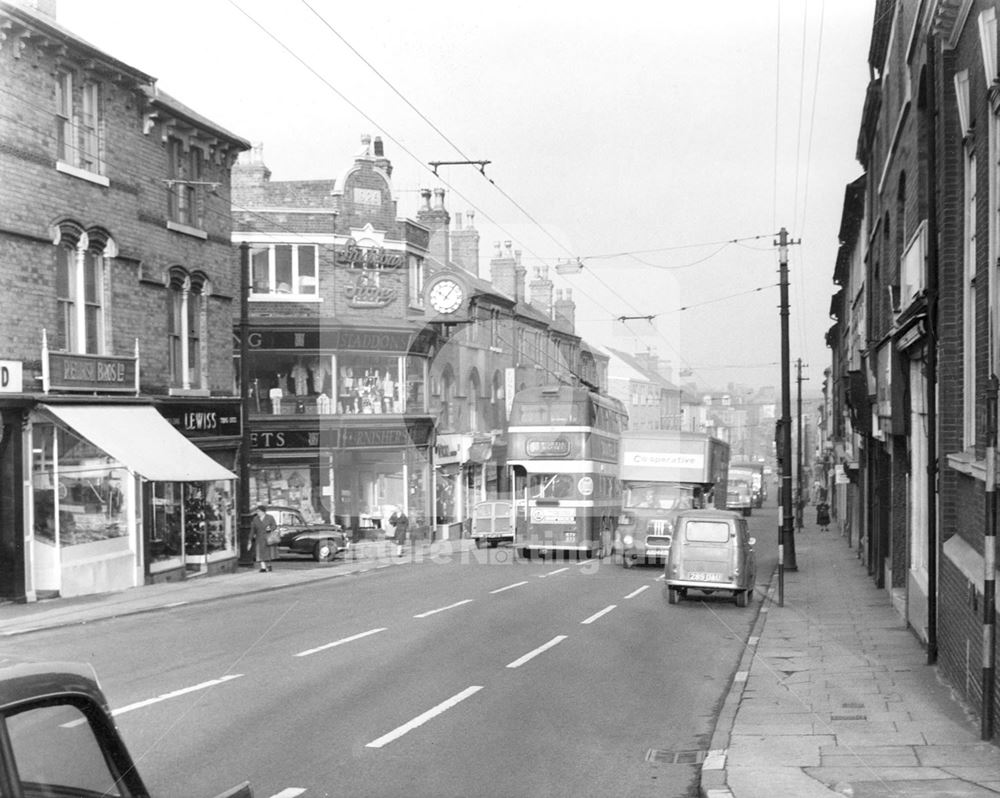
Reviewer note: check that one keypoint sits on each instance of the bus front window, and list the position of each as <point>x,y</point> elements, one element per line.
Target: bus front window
<point>549,486</point>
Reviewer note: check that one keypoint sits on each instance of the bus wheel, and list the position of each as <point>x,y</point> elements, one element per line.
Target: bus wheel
<point>525,553</point>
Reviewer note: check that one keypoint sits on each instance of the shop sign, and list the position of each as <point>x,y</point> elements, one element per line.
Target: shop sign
<point>279,440</point>
<point>316,340</point>
<point>357,257</point>
<point>101,373</point>
<point>203,419</point>
<point>366,293</point>
<point>11,380</point>
<point>364,438</point>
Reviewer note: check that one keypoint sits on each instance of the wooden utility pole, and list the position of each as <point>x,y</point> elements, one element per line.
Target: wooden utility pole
<point>786,536</point>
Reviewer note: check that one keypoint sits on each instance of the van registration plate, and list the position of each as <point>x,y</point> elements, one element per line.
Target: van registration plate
<point>701,576</point>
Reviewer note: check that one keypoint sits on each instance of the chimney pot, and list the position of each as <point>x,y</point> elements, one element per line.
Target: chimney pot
<point>439,198</point>
<point>379,152</point>
<point>425,193</point>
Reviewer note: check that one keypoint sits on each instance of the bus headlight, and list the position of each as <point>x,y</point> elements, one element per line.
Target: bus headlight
<point>627,540</point>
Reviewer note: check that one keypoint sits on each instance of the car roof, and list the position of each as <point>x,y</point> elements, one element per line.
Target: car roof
<point>710,514</point>
<point>24,680</point>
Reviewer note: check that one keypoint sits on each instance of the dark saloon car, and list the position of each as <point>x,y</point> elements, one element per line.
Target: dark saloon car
<point>322,542</point>
<point>58,737</point>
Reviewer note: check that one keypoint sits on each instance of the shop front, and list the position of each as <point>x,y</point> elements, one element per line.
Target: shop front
<point>119,498</point>
<point>348,471</point>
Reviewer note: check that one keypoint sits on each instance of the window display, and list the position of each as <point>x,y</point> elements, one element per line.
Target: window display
<point>348,384</point>
<point>78,489</point>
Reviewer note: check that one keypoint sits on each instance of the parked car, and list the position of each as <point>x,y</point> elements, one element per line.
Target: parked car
<point>710,551</point>
<point>59,738</point>
<point>322,542</point>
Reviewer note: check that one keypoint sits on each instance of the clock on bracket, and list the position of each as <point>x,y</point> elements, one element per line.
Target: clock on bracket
<point>446,295</point>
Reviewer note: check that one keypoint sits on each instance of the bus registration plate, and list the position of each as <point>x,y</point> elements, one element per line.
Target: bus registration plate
<point>701,576</point>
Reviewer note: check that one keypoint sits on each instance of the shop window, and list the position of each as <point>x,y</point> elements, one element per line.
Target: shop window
<point>79,124</point>
<point>191,521</point>
<point>286,384</point>
<point>79,491</point>
<point>80,275</point>
<point>184,326</point>
<point>368,384</point>
<point>283,270</point>
<point>416,385</point>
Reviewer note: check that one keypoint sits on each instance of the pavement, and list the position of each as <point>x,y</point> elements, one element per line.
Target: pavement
<point>364,556</point>
<point>833,697</point>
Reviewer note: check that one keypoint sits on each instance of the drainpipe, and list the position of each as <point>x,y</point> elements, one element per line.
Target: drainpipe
<point>931,285</point>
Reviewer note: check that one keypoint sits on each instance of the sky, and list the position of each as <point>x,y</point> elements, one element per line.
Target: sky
<point>662,145</point>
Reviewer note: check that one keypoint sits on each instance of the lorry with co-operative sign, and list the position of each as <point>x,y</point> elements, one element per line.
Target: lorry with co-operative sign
<point>663,473</point>
<point>746,486</point>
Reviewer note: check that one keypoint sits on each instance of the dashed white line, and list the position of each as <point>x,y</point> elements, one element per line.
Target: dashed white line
<point>340,642</point>
<point>531,654</point>
<point>164,697</point>
<point>420,720</point>
<point>508,587</point>
<point>553,573</point>
<point>289,792</point>
<point>442,609</point>
<point>597,615</point>
<point>637,591</point>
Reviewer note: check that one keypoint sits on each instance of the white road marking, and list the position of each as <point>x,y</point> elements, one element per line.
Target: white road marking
<point>637,591</point>
<point>159,698</point>
<point>597,615</point>
<point>531,654</point>
<point>175,604</point>
<point>552,573</point>
<point>175,694</point>
<point>420,720</point>
<point>585,562</point>
<point>350,639</point>
<point>442,609</point>
<point>509,587</point>
<point>289,792</point>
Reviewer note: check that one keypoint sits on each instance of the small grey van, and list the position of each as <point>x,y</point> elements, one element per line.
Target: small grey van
<point>710,551</point>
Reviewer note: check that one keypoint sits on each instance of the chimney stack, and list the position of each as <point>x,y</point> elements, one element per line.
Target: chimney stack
<point>541,290</point>
<point>436,219</point>
<point>565,308</point>
<point>465,243</point>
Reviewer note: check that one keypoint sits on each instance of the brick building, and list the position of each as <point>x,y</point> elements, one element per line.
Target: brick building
<point>380,363</point>
<point>117,401</point>
<point>915,350</point>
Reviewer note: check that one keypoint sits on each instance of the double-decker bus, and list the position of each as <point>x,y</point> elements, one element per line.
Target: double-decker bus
<point>563,447</point>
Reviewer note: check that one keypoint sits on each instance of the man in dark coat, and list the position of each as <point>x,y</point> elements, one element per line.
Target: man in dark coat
<point>263,523</point>
<point>400,523</point>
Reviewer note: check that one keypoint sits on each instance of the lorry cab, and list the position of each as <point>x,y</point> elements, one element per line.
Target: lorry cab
<point>649,510</point>
<point>710,551</point>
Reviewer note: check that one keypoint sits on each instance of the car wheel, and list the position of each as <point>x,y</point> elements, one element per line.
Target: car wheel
<point>741,598</point>
<point>673,595</point>
<point>324,551</point>
<point>627,561</point>
<point>525,554</point>
<point>480,543</point>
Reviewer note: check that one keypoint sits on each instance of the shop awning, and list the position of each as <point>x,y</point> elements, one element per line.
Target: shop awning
<point>140,439</point>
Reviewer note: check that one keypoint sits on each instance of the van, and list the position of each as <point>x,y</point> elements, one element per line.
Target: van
<point>710,551</point>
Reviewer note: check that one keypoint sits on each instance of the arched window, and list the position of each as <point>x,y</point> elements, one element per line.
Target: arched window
<point>80,281</point>
<point>475,393</point>
<point>184,326</point>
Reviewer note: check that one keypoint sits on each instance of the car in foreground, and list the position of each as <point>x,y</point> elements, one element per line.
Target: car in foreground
<point>58,738</point>
<point>711,551</point>
<point>322,542</point>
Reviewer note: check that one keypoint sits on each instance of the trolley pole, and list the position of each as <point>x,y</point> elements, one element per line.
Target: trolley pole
<point>786,538</point>
<point>243,495</point>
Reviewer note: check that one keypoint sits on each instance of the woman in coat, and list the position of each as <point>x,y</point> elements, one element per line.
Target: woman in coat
<point>263,523</point>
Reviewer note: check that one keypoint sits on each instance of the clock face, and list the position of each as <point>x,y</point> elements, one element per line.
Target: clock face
<point>446,296</point>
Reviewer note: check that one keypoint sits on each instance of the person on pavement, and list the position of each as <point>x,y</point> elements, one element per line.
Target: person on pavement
<point>262,525</point>
<point>400,524</point>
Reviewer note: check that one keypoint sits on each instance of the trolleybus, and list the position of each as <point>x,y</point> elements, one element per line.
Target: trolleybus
<point>563,447</point>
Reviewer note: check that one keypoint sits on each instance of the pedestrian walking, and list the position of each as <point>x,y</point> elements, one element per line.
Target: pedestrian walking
<point>400,523</point>
<point>823,515</point>
<point>261,528</point>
